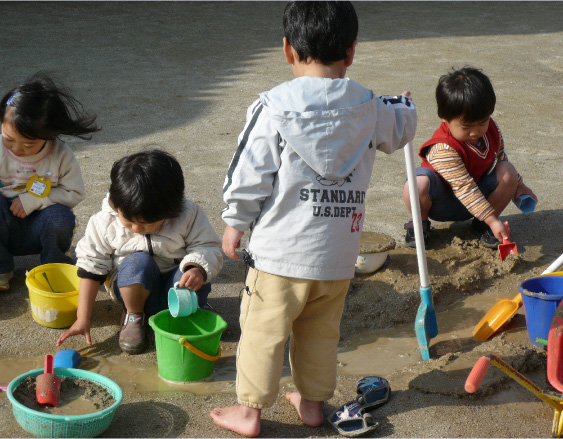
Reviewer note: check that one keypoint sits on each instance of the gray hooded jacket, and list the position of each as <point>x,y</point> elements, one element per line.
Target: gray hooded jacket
<point>300,174</point>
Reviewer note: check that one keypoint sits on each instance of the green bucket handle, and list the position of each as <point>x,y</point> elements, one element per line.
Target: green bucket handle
<point>199,353</point>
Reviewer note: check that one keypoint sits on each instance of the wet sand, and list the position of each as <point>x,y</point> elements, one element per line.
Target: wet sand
<point>180,76</point>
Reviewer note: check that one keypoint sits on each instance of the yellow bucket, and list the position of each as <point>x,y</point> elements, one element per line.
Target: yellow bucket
<point>53,309</point>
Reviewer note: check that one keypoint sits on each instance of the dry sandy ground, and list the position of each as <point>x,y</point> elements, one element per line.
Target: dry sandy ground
<point>180,76</point>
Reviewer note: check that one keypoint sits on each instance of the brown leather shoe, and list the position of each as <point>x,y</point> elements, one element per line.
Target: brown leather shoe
<point>132,335</point>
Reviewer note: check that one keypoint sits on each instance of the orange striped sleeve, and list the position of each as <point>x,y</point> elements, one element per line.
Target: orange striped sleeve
<point>447,162</point>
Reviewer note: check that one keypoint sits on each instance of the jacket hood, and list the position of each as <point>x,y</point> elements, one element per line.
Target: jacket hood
<point>318,118</point>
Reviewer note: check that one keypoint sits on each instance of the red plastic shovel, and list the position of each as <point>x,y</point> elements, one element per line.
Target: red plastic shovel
<point>507,248</point>
<point>48,385</point>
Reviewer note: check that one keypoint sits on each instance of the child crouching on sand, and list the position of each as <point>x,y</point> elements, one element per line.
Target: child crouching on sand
<point>465,172</point>
<point>146,238</point>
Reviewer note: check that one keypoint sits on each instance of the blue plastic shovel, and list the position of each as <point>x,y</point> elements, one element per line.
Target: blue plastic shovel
<point>425,324</point>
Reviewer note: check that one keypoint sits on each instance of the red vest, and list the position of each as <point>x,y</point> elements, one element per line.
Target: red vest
<point>476,161</point>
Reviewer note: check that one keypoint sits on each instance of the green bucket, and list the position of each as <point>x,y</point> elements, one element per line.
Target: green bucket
<point>187,347</point>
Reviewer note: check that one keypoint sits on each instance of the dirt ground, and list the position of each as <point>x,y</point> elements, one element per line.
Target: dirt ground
<point>180,75</point>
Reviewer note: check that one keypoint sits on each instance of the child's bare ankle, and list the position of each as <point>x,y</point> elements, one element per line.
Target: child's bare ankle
<point>310,412</point>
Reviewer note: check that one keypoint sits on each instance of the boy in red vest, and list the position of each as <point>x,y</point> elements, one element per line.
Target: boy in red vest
<point>465,172</point>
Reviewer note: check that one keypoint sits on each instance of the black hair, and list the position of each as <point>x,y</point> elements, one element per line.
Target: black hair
<point>320,31</point>
<point>466,93</point>
<point>44,110</point>
<point>147,186</point>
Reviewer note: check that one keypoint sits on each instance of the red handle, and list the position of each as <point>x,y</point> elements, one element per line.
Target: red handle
<point>477,374</point>
<point>48,365</point>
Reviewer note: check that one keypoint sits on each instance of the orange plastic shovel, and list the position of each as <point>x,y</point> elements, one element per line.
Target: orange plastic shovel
<point>500,313</point>
<point>48,385</point>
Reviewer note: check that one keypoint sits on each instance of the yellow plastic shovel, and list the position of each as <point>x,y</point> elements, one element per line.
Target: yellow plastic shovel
<point>503,310</point>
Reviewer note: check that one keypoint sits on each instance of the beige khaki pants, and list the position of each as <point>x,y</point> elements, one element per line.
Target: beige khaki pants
<point>278,306</point>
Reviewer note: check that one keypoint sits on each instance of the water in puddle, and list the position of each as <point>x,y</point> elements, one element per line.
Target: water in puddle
<point>130,376</point>
<point>73,407</point>
<point>384,352</point>
<point>73,403</point>
<point>379,352</point>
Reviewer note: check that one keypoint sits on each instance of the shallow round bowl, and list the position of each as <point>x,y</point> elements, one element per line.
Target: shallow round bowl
<point>41,424</point>
<point>370,262</point>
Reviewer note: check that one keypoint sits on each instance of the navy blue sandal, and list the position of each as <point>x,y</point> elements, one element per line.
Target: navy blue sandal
<point>351,420</point>
<point>373,391</point>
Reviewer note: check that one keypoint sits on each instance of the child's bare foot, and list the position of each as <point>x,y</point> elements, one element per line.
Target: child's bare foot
<point>239,418</point>
<point>311,412</point>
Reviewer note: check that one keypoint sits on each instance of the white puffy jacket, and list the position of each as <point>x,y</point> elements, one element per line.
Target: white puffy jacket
<point>188,239</point>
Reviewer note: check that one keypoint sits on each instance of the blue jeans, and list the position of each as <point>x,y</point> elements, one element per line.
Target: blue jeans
<point>46,232</point>
<point>140,268</point>
<point>445,205</point>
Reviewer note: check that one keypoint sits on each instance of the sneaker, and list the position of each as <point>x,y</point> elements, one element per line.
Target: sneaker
<point>132,334</point>
<point>409,236</point>
<point>487,237</point>
<point>5,280</point>
<point>489,240</point>
<point>373,391</point>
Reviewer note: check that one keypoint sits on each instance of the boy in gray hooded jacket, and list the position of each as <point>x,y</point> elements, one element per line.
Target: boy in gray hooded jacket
<point>298,182</point>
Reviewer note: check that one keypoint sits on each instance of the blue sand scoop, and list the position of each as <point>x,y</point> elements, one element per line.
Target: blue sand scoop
<point>67,358</point>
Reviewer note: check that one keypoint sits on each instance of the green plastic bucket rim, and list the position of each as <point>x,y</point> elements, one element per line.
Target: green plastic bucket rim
<point>176,337</point>
<point>65,372</point>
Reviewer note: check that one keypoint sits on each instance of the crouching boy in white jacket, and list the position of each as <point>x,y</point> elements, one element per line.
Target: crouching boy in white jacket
<point>146,237</point>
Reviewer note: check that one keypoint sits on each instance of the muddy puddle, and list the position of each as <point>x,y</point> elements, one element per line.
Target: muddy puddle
<point>378,336</point>
<point>378,352</point>
<point>132,377</point>
<point>385,351</point>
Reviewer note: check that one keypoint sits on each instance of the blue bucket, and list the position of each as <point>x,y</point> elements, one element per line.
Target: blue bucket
<point>541,296</point>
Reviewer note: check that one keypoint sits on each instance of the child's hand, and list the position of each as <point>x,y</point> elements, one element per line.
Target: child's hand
<point>17,208</point>
<point>500,230</point>
<point>406,94</point>
<point>192,279</point>
<point>78,328</point>
<point>524,190</point>
<point>231,241</point>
